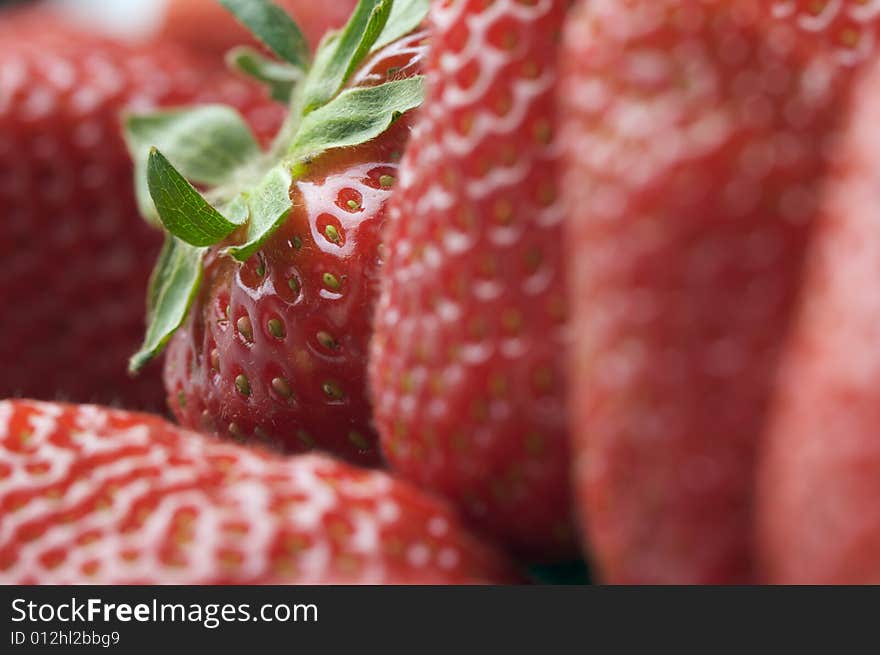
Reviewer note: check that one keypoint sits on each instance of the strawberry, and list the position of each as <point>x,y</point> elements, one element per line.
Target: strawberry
<point>75,252</point>
<point>93,495</point>
<point>847,29</point>
<point>273,274</point>
<point>818,515</point>
<point>466,365</point>
<point>696,137</point>
<point>203,25</point>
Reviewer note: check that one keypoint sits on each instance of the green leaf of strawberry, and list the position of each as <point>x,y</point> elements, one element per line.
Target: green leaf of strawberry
<point>250,191</point>
<point>356,116</point>
<point>279,77</point>
<point>406,15</point>
<point>173,286</point>
<point>340,53</point>
<point>273,27</point>
<point>182,209</point>
<point>268,206</point>
<point>206,143</point>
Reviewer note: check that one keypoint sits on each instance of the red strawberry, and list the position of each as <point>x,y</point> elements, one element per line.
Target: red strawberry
<point>75,253</point>
<point>819,515</point>
<point>696,151</point>
<point>848,29</point>
<point>466,363</point>
<point>274,347</point>
<point>92,495</point>
<point>206,27</point>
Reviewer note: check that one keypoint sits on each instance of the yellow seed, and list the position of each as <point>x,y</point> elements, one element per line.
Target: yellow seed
<point>282,387</point>
<point>512,320</point>
<point>333,390</point>
<point>542,131</point>
<point>243,384</point>
<point>332,233</point>
<point>245,328</point>
<point>276,328</point>
<point>359,440</point>
<point>327,341</point>
<point>849,37</point>
<point>503,211</point>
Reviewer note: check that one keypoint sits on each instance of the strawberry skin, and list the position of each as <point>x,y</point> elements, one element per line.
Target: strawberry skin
<point>465,366</point>
<point>695,155</point>
<point>818,510</point>
<point>98,496</point>
<point>76,255</point>
<point>847,29</point>
<point>275,350</point>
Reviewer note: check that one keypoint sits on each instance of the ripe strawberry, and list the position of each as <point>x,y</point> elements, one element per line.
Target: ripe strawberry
<point>206,27</point>
<point>466,362</point>
<point>696,151</point>
<point>92,495</point>
<point>75,253</point>
<point>274,346</point>
<point>818,515</point>
<point>848,29</point>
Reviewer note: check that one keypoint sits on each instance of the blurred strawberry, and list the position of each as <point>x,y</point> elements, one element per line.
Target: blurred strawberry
<point>76,255</point>
<point>205,26</point>
<point>697,136</point>
<point>91,495</point>
<point>847,30</point>
<point>819,493</point>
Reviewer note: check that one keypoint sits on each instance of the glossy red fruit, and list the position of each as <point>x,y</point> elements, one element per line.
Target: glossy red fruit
<point>92,495</point>
<point>466,366</point>
<point>274,350</point>
<point>697,137</point>
<point>819,519</point>
<point>76,254</point>
<point>205,26</point>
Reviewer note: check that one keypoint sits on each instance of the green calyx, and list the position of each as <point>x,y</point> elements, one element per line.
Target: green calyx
<point>212,147</point>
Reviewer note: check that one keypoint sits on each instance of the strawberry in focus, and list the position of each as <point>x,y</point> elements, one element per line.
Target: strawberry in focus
<point>697,136</point>
<point>76,255</point>
<point>274,349</point>
<point>846,30</point>
<point>275,314</point>
<point>818,515</point>
<point>98,496</point>
<point>466,364</point>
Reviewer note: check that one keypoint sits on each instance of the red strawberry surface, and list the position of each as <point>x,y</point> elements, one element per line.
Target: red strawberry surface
<point>696,149</point>
<point>274,348</point>
<point>99,496</point>
<point>846,29</point>
<point>819,516</point>
<point>76,254</point>
<point>466,365</point>
<point>205,26</point>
